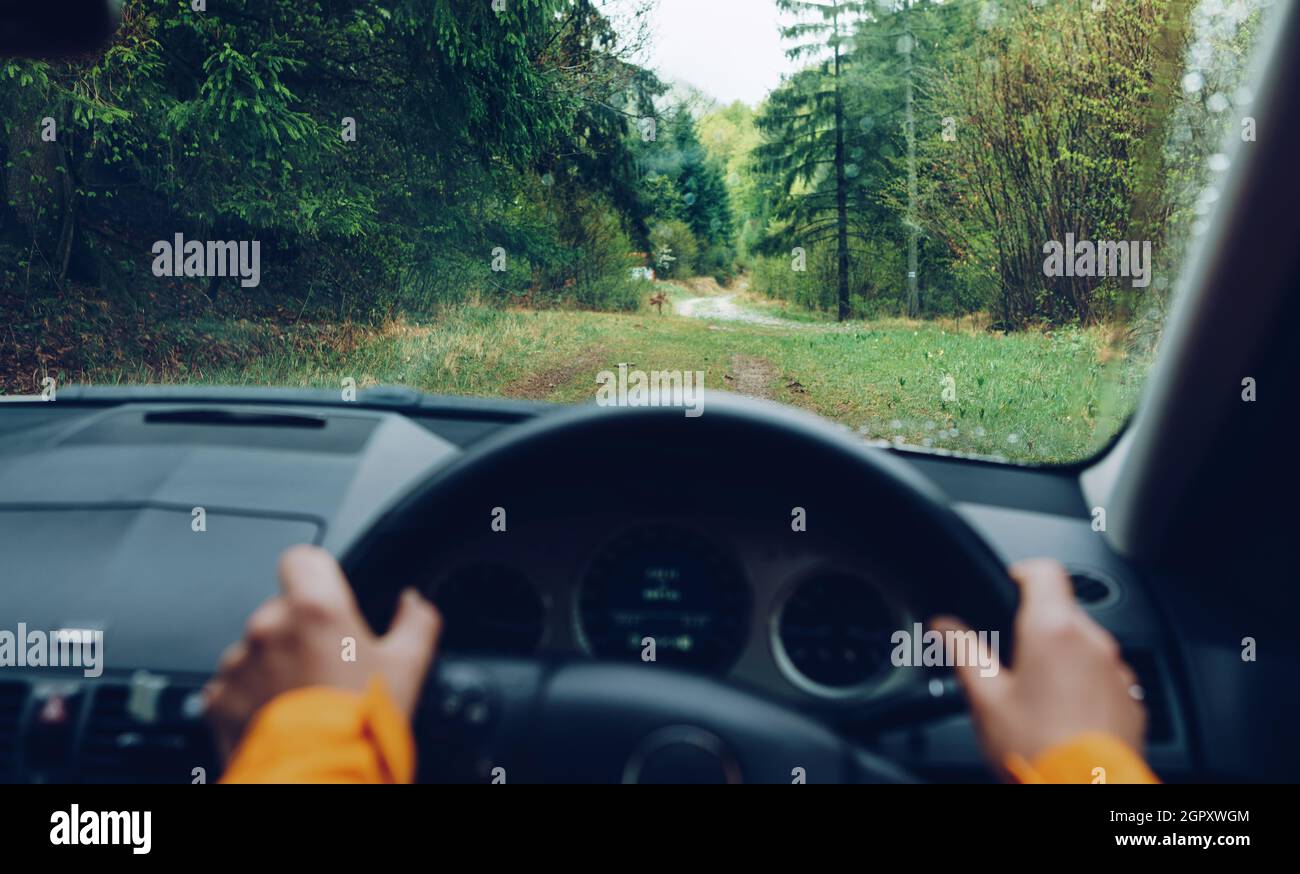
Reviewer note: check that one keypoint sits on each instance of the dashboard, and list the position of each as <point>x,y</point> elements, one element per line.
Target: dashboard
<point>710,576</point>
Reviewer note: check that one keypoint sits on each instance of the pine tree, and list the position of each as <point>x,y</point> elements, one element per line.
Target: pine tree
<point>702,185</point>
<point>809,134</point>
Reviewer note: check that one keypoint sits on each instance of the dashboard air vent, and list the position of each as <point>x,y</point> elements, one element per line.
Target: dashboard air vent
<point>1092,590</point>
<point>157,738</point>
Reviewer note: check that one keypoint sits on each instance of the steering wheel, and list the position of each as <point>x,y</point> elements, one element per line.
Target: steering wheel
<point>578,720</point>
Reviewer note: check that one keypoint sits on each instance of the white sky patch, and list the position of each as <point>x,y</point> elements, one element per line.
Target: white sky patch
<point>729,49</point>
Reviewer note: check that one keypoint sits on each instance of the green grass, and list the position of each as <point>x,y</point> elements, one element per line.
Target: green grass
<point>1029,396</point>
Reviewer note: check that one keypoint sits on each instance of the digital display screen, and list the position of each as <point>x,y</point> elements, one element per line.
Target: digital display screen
<point>665,596</point>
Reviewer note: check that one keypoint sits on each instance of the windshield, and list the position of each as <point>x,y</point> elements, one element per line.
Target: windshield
<point>952,225</point>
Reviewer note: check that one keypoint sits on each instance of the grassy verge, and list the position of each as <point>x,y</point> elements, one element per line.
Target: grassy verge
<point>1037,397</point>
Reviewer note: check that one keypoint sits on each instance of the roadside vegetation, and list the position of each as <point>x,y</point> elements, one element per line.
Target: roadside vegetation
<point>1027,396</point>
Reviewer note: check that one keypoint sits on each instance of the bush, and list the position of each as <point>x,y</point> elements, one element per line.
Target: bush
<point>674,249</point>
<point>719,262</point>
<point>877,279</point>
<point>589,261</point>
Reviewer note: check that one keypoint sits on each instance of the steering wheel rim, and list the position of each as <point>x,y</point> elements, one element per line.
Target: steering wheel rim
<point>919,523</point>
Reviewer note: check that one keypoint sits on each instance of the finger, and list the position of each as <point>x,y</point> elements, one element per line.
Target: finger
<point>1043,584</point>
<point>266,622</point>
<point>982,677</point>
<point>1048,605</point>
<point>415,628</point>
<point>217,710</point>
<point>310,575</point>
<point>231,658</point>
<point>1129,678</point>
<point>1105,641</point>
<point>216,702</point>
<point>212,691</point>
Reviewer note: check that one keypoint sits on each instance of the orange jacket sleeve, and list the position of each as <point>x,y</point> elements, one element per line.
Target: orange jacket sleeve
<point>1089,758</point>
<point>326,735</point>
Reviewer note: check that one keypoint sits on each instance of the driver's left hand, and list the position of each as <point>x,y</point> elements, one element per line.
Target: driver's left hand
<point>313,634</point>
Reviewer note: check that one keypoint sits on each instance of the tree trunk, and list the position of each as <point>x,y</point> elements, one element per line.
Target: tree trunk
<point>841,187</point>
<point>68,232</point>
<point>913,293</point>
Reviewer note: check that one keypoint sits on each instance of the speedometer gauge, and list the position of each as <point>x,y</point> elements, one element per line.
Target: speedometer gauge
<point>668,593</point>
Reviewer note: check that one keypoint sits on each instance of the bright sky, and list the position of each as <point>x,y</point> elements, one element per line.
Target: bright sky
<point>730,49</point>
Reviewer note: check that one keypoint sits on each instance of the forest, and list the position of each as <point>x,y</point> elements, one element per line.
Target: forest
<point>418,165</point>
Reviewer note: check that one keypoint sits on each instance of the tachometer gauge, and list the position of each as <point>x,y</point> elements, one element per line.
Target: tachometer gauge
<point>669,594</point>
<point>834,630</point>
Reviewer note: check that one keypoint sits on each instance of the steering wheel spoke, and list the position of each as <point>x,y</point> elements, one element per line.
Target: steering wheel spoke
<point>525,720</point>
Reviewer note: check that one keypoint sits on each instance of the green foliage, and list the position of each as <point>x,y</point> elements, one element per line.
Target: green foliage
<point>704,193</point>
<point>834,153</point>
<point>873,270</point>
<point>729,135</point>
<point>1062,115</point>
<point>717,261</point>
<point>1033,121</point>
<point>599,264</point>
<point>686,201</point>
<point>674,249</point>
<point>230,125</point>
<point>1055,104</point>
<point>808,137</point>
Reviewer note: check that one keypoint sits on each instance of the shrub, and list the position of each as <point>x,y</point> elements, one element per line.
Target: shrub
<point>674,249</point>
